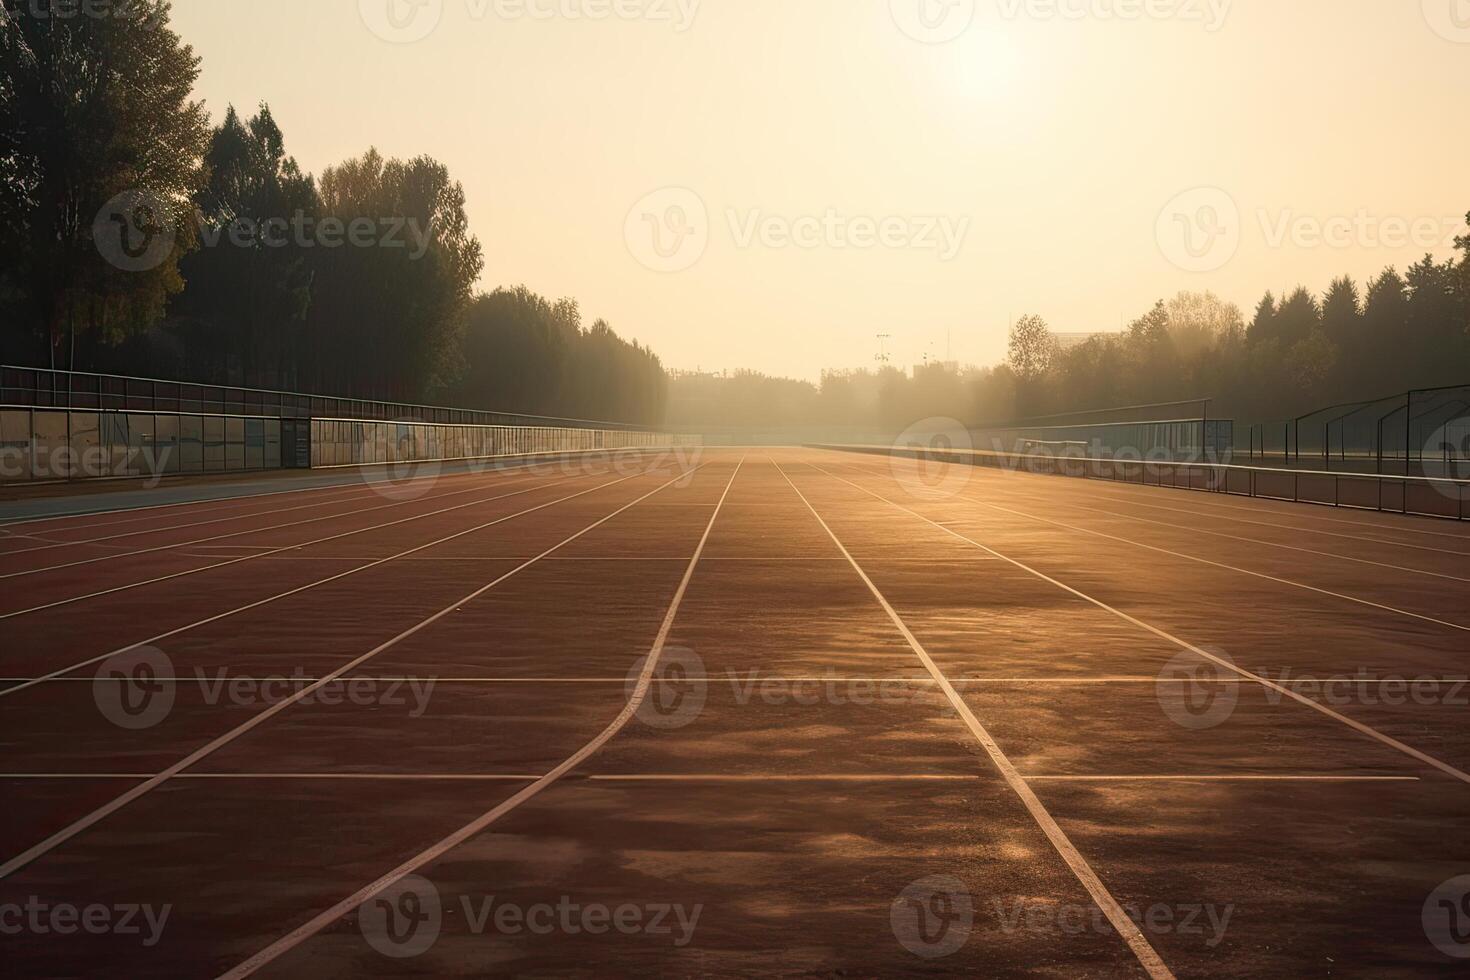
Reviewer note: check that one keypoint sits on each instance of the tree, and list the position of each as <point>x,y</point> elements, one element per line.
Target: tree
<point>393,264</point>
<point>1342,312</point>
<point>1263,324</point>
<point>101,146</point>
<point>1032,348</point>
<point>249,286</point>
<point>1298,317</point>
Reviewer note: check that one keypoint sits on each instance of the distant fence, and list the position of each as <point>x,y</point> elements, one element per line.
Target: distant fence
<point>47,388</point>
<point>1425,432</point>
<point>1419,496</point>
<point>100,426</point>
<point>1168,430</point>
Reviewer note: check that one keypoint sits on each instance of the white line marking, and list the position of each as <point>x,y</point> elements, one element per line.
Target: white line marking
<point>742,678</point>
<point>238,534</point>
<point>1358,726</point>
<point>1181,554</point>
<point>283,548</point>
<point>1147,956</point>
<point>1219,564</point>
<point>361,493</point>
<point>323,581</point>
<point>1223,779</point>
<point>1261,541</point>
<point>692,777</point>
<point>1129,500</point>
<point>229,499</point>
<point>1212,507</point>
<point>304,932</point>
<point>97,815</point>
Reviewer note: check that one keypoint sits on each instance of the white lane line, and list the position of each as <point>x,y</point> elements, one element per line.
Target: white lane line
<point>324,919</point>
<point>239,499</point>
<point>1219,564</point>
<point>236,534</point>
<point>344,484</point>
<point>1261,541</point>
<point>290,547</point>
<point>1191,778</point>
<point>359,493</point>
<point>256,720</point>
<point>53,675</point>
<point>1188,557</point>
<point>1128,500</point>
<point>744,679</point>
<point>692,777</point>
<point>1213,509</point>
<point>1147,956</point>
<point>1358,726</point>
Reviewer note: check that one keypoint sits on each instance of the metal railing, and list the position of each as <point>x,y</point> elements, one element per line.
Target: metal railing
<point>1417,495</point>
<point>26,387</point>
<point>1425,431</point>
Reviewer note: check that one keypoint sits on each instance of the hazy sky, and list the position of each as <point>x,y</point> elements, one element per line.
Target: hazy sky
<point>773,183</point>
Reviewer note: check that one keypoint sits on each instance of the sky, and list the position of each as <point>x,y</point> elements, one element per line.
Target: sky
<point>773,184</point>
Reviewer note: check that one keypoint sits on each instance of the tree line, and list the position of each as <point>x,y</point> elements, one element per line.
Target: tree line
<point>138,238</point>
<point>1296,353</point>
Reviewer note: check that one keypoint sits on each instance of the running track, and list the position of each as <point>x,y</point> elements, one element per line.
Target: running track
<point>857,712</point>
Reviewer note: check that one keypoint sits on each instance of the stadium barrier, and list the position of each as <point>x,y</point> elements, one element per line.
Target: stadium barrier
<point>1417,495</point>
<point>60,427</point>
